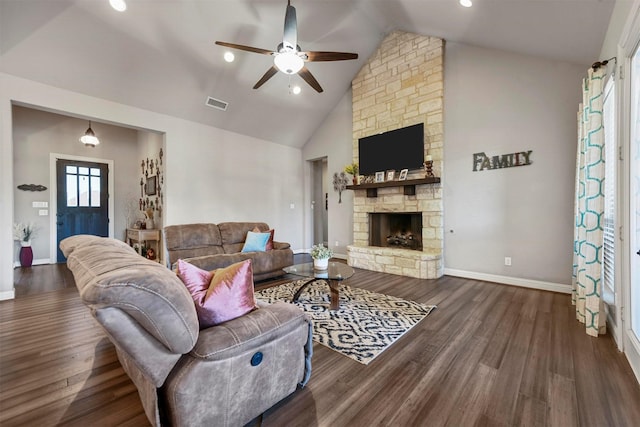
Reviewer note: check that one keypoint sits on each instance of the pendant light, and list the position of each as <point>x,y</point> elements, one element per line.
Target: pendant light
<point>89,138</point>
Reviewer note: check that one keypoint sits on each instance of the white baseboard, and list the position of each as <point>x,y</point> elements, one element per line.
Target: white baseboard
<point>4,295</point>
<point>514,281</point>
<point>632,351</point>
<point>42,261</point>
<point>613,331</point>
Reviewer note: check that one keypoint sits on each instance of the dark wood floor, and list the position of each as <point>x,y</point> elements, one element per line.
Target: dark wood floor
<point>490,355</point>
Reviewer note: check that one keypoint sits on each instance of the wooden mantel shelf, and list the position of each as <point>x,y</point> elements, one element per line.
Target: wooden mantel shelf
<point>409,185</point>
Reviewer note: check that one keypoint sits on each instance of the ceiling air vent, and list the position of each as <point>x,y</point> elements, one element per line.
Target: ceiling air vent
<point>216,103</point>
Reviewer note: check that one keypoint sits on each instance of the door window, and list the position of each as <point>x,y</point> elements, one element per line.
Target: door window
<point>83,186</point>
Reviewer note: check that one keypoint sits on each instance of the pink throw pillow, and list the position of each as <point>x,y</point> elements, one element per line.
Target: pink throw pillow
<point>219,295</point>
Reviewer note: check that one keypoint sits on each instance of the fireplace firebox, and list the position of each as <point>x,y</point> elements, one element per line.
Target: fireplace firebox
<point>396,230</point>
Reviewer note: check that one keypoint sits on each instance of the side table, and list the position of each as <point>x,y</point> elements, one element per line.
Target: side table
<point>150,238</point>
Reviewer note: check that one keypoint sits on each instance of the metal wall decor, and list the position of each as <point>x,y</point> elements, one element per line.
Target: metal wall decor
<point>31,187</point>
<point>483,162</point>
<point>151,183</point>
<point>340,182</point>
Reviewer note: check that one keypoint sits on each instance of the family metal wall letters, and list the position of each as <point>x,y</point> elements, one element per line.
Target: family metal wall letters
<point>481,161</point>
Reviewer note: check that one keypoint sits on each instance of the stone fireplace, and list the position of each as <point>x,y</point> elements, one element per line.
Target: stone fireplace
<point>400,85</point>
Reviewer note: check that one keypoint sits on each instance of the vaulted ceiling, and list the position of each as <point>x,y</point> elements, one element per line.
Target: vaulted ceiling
<point>160,55</point>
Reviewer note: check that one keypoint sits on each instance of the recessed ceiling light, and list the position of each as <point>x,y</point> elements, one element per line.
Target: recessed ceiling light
<point>118,5</point>
<point>229,56</point>
<point>466,3</point>
<point>296,90</point>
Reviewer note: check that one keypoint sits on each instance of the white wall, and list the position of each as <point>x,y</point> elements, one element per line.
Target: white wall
<point>211,174</point>
<point>332,139</point>
<point>498,102</point>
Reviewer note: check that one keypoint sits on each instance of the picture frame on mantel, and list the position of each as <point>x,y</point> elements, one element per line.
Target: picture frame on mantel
<point>403,175</point>
<point>380,176</point>
<point>151,186</point>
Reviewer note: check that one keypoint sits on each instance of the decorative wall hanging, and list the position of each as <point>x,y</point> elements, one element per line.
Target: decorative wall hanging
<point>151,186</point>
<point>31,187</point>
<point>151,183</point>
<point>482,162</point>
<point>340,181</point>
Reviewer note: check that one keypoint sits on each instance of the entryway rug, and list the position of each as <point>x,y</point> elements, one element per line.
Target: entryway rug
<point>366,324</point>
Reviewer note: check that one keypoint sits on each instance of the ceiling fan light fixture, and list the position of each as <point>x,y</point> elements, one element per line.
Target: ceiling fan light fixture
<point>118,5</point>
<point>296,90</point>
<point>466,3</point>
<point>89,138</point>
<point>229,56</point>
<point>288,62</point>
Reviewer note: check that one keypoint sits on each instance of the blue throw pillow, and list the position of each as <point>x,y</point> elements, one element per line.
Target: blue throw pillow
<point>256,242</point>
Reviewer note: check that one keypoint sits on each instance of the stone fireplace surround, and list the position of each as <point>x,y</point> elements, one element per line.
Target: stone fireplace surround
<point>400,85</point>
<point>424,264</point>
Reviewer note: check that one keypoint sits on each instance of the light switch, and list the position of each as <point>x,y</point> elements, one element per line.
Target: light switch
<point>40,204</point>
<point>292,206</point>
<point>43,212</point>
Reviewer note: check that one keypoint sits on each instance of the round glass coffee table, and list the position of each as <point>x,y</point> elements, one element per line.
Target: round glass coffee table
<point>334,274</point>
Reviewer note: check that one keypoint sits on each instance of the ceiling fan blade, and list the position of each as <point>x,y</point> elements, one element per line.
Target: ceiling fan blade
<point>330,56</point>
<point>308,77</point>
<point>270,73</point>
<point>246,48</point>
<point>290,35</point>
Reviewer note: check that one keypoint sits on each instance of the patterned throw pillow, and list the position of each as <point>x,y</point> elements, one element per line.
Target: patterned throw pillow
<point>219,295</point>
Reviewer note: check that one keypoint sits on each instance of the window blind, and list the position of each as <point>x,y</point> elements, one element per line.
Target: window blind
<point>609,187</point>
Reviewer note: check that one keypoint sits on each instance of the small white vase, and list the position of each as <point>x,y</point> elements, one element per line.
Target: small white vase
<point>321,263</point>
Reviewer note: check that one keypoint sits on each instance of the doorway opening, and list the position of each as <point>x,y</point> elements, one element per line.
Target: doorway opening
<point>320,201</point>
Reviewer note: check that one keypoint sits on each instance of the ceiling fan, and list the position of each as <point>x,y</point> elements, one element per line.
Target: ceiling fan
<point>288,57</point>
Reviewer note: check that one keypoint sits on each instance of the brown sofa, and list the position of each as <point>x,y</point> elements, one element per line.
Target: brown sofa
<point>211,246</point>
<point>225,375</point>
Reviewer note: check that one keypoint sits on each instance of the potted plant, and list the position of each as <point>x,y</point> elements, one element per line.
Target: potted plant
<point>321,255</point>
<point>352,170</point>
<point>24,233</point>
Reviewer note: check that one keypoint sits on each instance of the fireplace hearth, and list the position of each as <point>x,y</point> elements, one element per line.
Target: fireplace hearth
<point>396,230</point>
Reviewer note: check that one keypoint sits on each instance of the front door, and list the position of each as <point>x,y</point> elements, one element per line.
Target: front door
<point>83,200</point>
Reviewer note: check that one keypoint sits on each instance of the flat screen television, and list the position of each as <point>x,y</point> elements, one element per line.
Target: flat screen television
<point>396,149</point>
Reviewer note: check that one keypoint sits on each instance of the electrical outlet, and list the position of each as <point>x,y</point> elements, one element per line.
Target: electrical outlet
<point>507,260</point>
<point>337,243</point>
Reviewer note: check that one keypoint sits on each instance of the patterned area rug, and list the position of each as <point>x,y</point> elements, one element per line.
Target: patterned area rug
<point>366,324</point>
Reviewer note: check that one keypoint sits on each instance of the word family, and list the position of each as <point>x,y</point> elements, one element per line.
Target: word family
<point>481,161</point>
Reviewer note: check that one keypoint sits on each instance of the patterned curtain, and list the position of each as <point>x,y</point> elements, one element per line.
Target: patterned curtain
<point>589,207</point>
